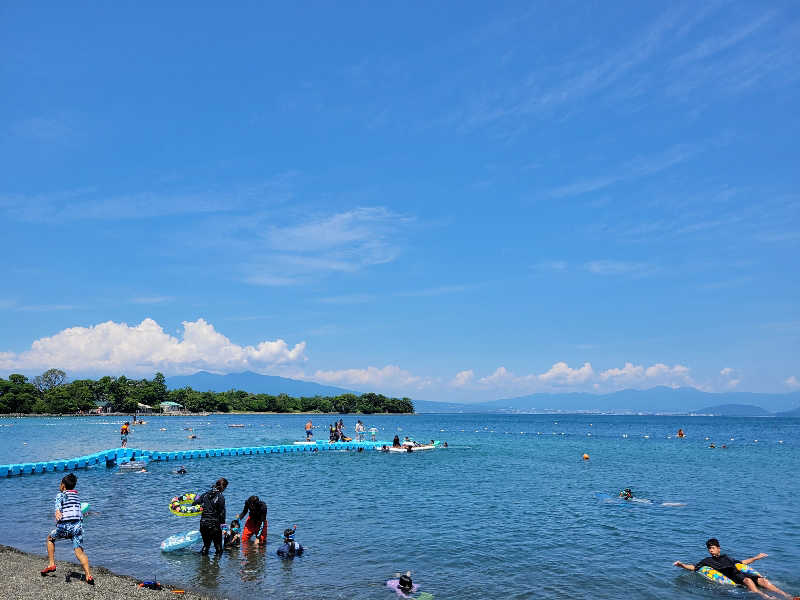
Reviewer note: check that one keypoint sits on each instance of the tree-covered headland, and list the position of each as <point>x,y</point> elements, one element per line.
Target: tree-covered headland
<point>51,393</point>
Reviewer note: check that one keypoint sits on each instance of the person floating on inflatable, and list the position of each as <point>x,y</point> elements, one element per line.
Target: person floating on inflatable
<point>404,585</point>
<point>725,565</point>
<point>290,548</point>
<point>626,494</point>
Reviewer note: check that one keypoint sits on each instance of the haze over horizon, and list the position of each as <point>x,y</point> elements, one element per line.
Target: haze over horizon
<point>460,205</point>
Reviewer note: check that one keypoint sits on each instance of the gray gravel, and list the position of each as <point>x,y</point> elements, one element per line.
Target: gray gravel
<point>22,580</point>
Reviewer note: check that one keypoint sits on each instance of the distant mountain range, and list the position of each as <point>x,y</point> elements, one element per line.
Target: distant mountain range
<point>654,400</point>
<point>248,381</point>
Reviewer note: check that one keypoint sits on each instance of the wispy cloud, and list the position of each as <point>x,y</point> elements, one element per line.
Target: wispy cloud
<point>435,291</point>
<point>152,299</point>
<point>634,169</point>
<point>45,307</point>
<point>619,267</point>
<point>92,203</point>
<point>347,299</point>
<point>342,242</point>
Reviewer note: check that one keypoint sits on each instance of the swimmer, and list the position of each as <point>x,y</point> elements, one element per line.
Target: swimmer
<point>626,494</point>
<point>232,535</point>
<point>290,548</point>
<point>727,566</point>
<point>181,470</point>
<point>404,585</point>
<point>680,433</point>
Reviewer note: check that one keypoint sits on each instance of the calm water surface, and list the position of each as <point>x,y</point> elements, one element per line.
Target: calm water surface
<point>509,510</point>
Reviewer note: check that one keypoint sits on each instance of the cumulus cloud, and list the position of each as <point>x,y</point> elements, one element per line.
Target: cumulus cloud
<point>463,378</point>
<point>792,382</point>
<point>117,347</point>
<point>390,376</point>
<point>562,373</point>
<point>560,376</point>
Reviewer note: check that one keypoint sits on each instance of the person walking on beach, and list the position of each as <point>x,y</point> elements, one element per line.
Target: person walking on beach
<point>727,566</point>
<point>257,520</point>
<point>69,526</point>
<point>123,433</point>
<point>309,430</point>
<point>213,516</point>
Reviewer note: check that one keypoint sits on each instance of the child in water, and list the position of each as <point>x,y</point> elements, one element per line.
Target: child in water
<point>232,535</point>
<point>290,548</point>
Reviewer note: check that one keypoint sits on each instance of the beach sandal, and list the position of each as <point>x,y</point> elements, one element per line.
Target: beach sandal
<point>48,569</point>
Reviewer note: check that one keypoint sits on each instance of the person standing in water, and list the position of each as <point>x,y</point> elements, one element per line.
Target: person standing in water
<point>256,521</point>
<point>213,515</point>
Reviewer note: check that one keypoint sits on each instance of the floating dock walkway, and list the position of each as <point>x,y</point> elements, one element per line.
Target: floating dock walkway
<point>110,458</point>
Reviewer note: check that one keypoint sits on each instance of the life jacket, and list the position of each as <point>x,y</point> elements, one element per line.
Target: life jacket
<point>124,430</point>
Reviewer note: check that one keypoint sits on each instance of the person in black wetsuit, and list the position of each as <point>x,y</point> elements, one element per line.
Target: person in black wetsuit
<point>213,516</point>
<point>727,566</point>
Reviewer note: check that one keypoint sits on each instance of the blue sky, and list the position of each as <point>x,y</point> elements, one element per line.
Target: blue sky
<point>456,202</point>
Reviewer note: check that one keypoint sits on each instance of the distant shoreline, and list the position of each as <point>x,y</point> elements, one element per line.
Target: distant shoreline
<point>190,414</point>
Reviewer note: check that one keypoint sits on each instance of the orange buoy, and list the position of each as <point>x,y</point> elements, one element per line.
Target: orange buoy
<point>585,457</point>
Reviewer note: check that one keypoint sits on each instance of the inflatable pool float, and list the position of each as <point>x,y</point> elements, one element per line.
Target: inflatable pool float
<point>184,506</point>
<point>717,577</point>
<point>84,507</point>
<point>412,448</point>
<point>395,585</point>
<point>180,540</point>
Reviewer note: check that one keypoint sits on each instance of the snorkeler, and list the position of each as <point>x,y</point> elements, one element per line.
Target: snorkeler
<point>403,586</point>
<point>626,494</point>
<point>290,548</point>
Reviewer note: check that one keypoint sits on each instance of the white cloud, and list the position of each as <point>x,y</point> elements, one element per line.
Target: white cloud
<point>344,242</point>
<point>390,376</point>
<point>560,376</point>
<point>731,379</point>
<point>792,382</point>
<point>152,299</point>
<point>617,267</point>
<point>500,375</point>
<point>463,378</point>
<point>561,373</point>
<point>117,347</point>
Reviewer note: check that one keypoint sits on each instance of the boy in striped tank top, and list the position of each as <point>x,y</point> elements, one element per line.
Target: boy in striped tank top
<point>69,526</point>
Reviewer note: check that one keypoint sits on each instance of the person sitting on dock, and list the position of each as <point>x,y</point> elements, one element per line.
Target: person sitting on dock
<point>334,434</point>
<point>396,441</point>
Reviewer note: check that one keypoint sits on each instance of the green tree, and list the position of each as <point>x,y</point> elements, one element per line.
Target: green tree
<point>50,379</point>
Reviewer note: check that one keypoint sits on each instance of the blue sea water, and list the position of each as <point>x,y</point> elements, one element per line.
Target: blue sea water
<point>508,510</point>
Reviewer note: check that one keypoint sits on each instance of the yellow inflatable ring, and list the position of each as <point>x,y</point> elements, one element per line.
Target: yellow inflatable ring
<point>184,506</point>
